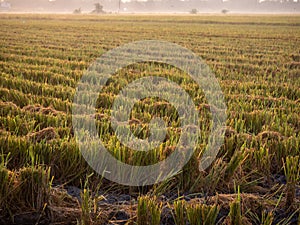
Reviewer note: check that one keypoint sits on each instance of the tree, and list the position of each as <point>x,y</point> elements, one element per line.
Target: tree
<point>98,9</point>
<point>225,11</point>
<point>77,11</point>
<point>194,11</point>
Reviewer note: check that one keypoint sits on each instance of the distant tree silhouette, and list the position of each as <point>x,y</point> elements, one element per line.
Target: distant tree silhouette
<point>194,11</point>
<point>225,11</point>
<point>98,9</point>
<point>77,11</point>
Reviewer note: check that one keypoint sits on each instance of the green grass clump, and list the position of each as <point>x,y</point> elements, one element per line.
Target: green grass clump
<point>148,211</point>
<point>34,187</point>
<point>201,214</point>
<point>24,191</point>
<point>292,174</point>
<point>6,189</point>
<point>179,212</point>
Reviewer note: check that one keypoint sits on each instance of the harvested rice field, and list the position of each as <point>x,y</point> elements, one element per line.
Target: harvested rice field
<point>254,177</point>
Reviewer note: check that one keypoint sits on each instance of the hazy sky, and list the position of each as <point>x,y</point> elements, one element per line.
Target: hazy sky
<point>157,6</point>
